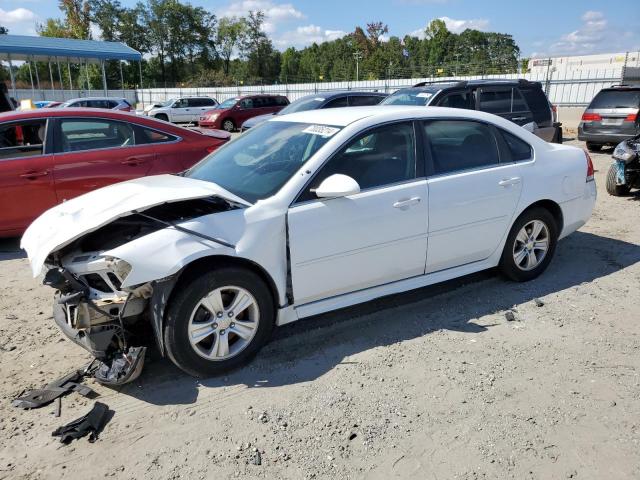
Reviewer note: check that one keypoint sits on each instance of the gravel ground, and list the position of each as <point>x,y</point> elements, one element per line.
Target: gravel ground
<point>430,384</point>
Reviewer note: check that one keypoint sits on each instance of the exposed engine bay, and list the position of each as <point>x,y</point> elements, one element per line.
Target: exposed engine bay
<point>90,305</point>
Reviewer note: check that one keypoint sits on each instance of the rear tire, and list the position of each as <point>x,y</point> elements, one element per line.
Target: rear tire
<point>524,244</point>
<point>594,147</point>
<point>612,187</point>
<point>228,125</point>
<point>163,117</point>
<point>203,343</point>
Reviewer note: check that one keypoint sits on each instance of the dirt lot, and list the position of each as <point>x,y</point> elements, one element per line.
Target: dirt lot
<point>432,384</point>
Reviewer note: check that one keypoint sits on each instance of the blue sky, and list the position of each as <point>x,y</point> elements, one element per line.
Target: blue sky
<point>542,27</point>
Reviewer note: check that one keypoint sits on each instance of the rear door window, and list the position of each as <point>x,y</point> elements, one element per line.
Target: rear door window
<point>148,135</point>
<point>91,134</point>
<point>517,150</point>
<point>495,101</point>
<point>457,145</point>
<point>22,139</point>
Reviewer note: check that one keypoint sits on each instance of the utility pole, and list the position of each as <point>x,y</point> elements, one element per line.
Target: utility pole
<point>358,56</point>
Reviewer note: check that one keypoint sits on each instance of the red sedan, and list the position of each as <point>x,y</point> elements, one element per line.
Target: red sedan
<point>50,155</point>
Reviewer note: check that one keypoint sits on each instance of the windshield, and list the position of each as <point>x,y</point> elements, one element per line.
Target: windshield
<point>228,103</point>
<point>167,103</point>
<point>410,96</point>
<point>259,162</point>
<point>616,99</point>
<point>302,104</point>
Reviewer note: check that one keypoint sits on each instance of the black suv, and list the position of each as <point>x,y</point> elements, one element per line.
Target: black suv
<point>521,101</point>
<point>611,117</point>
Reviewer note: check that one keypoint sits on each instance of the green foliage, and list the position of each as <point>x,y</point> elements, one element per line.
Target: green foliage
<point>187,45</point>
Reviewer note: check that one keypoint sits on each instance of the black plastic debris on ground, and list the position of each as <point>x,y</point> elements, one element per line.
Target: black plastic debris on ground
<point>92,424</point>
<point>69,383</point>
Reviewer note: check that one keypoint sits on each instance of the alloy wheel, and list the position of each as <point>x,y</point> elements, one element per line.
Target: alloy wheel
<point>531,245</point>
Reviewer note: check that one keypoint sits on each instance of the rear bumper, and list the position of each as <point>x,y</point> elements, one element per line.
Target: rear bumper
<point>576,212</point>
<point>610,138</point>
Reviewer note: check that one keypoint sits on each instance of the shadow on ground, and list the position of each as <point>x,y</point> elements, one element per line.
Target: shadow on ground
<point>303,351</point>
<point>10,249</point>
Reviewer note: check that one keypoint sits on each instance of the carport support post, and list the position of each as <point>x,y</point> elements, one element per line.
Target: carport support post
<point>104,78</point>
<point>13,80</point>
<point>86,71</point>
<point>31,78</point>
<point>70,81</point>
<point>38,81</point>
<point>53,90</point>
<point>141,88</point>
<point>121,77</point>
<point>60,78</point>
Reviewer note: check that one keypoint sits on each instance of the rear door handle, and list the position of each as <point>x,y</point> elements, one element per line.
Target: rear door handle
<point>132,162</point>
<point>505,182</point>
<point>518,118</point>
<point>34,175</point>
<point>404,204</point>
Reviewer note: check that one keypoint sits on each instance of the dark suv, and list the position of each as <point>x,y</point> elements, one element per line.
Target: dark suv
<point>521,101</point>
<point>611,117</point>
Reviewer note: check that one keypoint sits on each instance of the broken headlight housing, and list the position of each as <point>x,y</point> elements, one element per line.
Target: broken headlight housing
<point>118,266</point>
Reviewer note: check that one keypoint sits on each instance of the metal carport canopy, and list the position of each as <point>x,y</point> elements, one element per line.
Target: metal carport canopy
<point>23,47</point>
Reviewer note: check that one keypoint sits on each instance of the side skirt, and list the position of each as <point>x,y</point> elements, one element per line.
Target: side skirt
<point>297,312</point>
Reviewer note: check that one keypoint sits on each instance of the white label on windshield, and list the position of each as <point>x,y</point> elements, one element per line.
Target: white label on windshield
<point>424,95</point>
<point>321,130</point>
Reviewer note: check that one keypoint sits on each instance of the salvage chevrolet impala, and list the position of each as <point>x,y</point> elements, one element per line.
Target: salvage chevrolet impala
<point>304,214</point>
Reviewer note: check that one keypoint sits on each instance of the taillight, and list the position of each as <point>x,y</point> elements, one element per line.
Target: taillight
<point>590,169</point>
<point>212,148</point>
<point>631,117</point>
<point>554,109</point>
<point>591,117</point>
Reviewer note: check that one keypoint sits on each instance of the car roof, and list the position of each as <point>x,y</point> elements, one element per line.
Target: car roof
<point>342,93</point>
<point>94,98</point>
<point>341,117</point>
<point>479,82</point>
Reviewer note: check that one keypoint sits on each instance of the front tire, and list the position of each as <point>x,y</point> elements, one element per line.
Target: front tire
<point>218,320</point>
<point>530,245</point>
<point>612,187</point>
<point>163,117</point>
<point>594,147</point>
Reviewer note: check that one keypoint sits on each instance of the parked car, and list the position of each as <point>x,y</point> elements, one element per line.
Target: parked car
<point>624,172</point>
<point>520,101</point>
<point>48,156</point>
<point>321,100</point>
<point>182,109</point>
<point>233,112</point>
<point>107,103</point>
<point>306,213</point>
<point>47,104</point>
<point>611,117</point>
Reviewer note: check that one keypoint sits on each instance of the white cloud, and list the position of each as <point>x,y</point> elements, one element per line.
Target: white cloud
<point>455,26</point>
<point>459,26</point>
<point>275,13</point>
<point>585,39</point>
<point>20,21</point>
<point>306,35</point>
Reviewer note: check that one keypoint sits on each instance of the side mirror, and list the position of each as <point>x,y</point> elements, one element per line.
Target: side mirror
<point>337,185</point>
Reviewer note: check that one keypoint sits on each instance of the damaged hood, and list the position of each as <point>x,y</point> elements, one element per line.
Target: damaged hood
<point>70,220</point>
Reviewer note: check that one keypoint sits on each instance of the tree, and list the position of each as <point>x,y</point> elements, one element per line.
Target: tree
<point>77,18</point>
<point>3,30</point>
<point>106,14</point>
<point>231,35</point>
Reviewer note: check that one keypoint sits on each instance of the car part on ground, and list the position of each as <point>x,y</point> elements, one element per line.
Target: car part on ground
<point>300,216</point>
<point>56,389</point>
<point>90,424</point>
<point>520,101</point>
<point>624,172</point>
<point>48,156</point>
<point>316,101</point>
<point>612,117</point>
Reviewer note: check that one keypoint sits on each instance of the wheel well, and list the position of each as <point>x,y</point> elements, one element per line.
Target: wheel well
<point>208,263</point>
<point>553,208</point>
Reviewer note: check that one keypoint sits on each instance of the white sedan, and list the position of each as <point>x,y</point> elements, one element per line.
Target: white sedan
<point>304,214</point>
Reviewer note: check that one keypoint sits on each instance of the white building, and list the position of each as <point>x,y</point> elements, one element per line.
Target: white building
<point>605,61</point>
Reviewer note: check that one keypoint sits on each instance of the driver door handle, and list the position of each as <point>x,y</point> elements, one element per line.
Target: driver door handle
<point>518,118</point>
<point>404,204</point>
<point>505,182</point>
